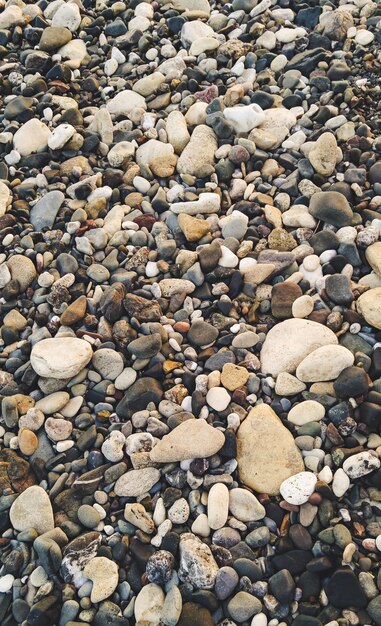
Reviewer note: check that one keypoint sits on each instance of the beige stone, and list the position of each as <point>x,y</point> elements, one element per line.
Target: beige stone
<point>28,441</point>
<point>32,509</point>
<point>15,320</point>
<point>136,514</point>
<point>267,453</point>
<point>197,158</point>
<point>289,342</point>
<point>177,131</point>
<point>373,256</point>
<point>191,439</point>
<point>325,363</point>
<point>263,139</point>
<point>288,385</point>
<point>61,357</point>
<point>104,574</point>
<point>369,305</point>
<point>193,227</point>
<point>323,154</point>
<point>233,376</point>
<point>22,269</point>
<point>258,274</point>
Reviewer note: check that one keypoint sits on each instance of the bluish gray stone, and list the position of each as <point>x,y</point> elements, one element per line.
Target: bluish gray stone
<point>45,211</point>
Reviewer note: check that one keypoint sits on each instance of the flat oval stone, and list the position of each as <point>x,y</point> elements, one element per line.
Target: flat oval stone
<point>361,464</point>
<point>245,506</point>
<point>149,604</point>
<point>324,363</point>
<point>305,412</point>
<point>218,506</point>
<point>61,357</point>
<point>52,402</point>
<point>22,269</point>
<point>58,429</point>
<point>28,441</point>
<point>137,482</point>
<point>267,453</point>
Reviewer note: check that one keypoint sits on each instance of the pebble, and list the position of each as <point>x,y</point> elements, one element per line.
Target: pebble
<point>360,464</point>
<point>263,431</point>
<point>32,509</point>
<point>6,583</point>
<point>32,137</point>
<point>245,506</point>
<point>190,270</point>
<point>368,307</point>
<point>103,573</point>
<point>306,412</point>
<point>190,439</point>
<point>61,357</point>
<point>149,604</point>
<point>136,482</point>
<point>198,155</point>
<point>218,398</point>
<point>218,506</point>
<point>243,606</point>
<point>290,341</point>
<point>298,488</point>
<point>323,155</point>
<point>197,565</point>
<point>325,363</point>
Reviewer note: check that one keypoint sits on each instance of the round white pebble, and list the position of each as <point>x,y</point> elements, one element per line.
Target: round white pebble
<point>6,583</point>
<point>298,488</point>
<point>218,398</point>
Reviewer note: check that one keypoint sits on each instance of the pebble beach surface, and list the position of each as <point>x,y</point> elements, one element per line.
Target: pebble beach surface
<point>190,313</point>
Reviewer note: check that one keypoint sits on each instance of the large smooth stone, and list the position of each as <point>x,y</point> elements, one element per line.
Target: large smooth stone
<point>61,357</point>
<point>149,604</point>
<point>325,363</point>
<point>125,101</point>
<point>373,256</point>
<point>331,207</point>
<point>267,453</point>
<point>369,306</point>
<point>151,150</point>
<point>31,137</point>
<point>289,342</point>
<point>191,439</point>
<point>32,509</point>
<point>324,154</point>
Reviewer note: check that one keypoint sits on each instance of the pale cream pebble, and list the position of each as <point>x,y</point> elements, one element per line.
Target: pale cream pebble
<point>349,552</point>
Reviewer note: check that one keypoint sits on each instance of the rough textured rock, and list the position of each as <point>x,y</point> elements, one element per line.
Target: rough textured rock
<point>197,565</point>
